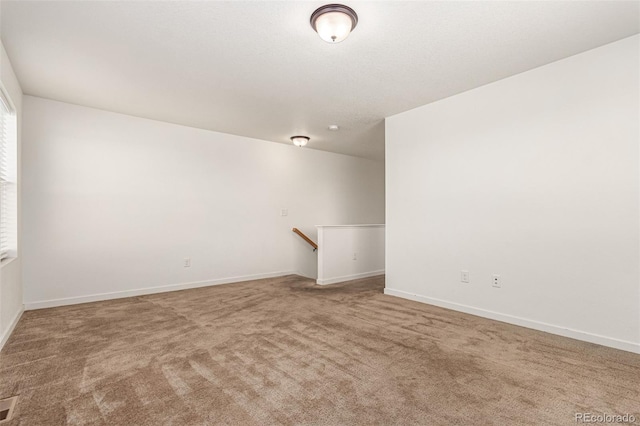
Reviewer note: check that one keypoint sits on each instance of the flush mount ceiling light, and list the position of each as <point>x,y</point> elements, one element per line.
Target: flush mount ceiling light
<point>334,22</point>
<point>299,140</point>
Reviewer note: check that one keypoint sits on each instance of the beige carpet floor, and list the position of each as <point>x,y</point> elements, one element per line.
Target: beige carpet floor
<point>285,351</point>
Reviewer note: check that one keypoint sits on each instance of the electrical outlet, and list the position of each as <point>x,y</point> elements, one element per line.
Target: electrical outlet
<point>186,262</point>
<point>464,276</point>
<point>355,256</point>
<point>284,212</point>
<point>497,281</point>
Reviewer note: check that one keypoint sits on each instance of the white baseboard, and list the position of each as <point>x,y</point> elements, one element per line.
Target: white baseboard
<point>523,322</point>
<point>147,290</point>
<point>303,275</point>
<point>350,277</point>
<point>12,326</point>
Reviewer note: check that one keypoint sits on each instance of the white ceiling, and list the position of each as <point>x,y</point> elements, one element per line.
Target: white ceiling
<point>257,69</point>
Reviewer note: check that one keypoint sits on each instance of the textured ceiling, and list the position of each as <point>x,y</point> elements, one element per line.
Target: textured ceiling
<point>257,69</point>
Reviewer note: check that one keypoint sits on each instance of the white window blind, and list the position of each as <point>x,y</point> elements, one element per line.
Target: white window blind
<point>7,177</point>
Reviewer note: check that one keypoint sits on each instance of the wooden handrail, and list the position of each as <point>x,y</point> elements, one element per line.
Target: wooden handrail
<point>307,239</point>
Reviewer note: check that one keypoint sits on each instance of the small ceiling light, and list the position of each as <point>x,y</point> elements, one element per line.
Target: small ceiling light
<point>299,140</point>
<point>334,127</point>
<point>334,22</point>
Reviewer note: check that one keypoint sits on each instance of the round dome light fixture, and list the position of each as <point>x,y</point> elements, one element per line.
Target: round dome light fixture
<point>299,140</point>
<point>334,22</point>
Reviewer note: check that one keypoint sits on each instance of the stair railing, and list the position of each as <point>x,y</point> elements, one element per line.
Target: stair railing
<point>307,239</point>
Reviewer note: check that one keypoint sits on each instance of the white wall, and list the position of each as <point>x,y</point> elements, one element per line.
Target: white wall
<point>349,252</point>
<point>113,203</point>
<point>536,178</point>
<point>10,270</point>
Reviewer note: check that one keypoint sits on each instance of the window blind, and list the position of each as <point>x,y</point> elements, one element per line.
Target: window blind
<point>5,178</point>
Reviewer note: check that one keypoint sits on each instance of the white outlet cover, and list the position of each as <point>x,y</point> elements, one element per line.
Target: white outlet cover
<point>496,281</point>
<point>464,276</point>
